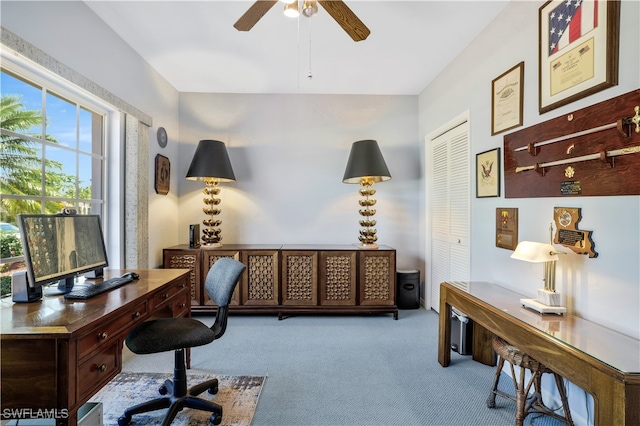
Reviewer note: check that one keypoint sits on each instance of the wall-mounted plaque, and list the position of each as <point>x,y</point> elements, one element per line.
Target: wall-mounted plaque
<point>506,228</point>
<point>163,172</point>
<point>568,234</point>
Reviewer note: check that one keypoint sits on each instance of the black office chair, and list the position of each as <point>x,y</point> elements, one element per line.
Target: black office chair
<point>176,334</point>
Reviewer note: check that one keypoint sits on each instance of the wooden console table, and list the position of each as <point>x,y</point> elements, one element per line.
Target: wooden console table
<point>57,353</point>
<point>296,279</point>
<point>599,360</point>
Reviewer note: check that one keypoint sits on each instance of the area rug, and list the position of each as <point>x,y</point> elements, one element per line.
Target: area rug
<point>238,396</point>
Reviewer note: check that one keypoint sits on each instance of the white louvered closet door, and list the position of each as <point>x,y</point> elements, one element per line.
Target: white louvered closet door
<point>450,209</point>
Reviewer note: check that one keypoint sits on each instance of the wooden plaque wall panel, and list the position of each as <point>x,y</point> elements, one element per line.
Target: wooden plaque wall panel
<point>593,177</point>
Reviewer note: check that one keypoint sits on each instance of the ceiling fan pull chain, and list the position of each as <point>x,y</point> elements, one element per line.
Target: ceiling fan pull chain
<point>298,47</point>
<point>310,75</point>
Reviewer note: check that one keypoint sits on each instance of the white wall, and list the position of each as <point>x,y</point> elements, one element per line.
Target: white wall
<point>71,33</point>
<point>605,289</point>
<point>289,154</point>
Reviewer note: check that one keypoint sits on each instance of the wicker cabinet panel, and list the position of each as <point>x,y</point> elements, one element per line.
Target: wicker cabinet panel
<point>186,259</point>
<point>338,278</point>
<point>377,277</point>
<point>260,283</point>
<point>209,257</point>
<point>300,278</point>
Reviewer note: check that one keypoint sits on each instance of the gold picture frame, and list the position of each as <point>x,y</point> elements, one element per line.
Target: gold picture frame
<point>507,227</point>
<point>488,173</point>
<point>576,61</point>
<point>163,174</point>
<point>507,94</point>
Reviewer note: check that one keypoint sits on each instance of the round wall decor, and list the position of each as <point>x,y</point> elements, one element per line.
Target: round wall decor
<point>162,137</point>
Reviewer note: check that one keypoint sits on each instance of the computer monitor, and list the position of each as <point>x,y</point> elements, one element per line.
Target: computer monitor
<point>58,248</point>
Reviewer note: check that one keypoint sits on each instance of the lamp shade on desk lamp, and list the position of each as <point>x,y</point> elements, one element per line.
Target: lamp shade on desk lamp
<point>548,300</point>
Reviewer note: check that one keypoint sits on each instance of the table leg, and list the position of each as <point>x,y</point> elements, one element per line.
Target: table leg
<point>444,330</point>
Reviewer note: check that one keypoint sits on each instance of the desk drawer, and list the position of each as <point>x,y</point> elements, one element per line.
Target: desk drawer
<point>98,370</point>
<point>167,295</point>
<point>103,335</point>
<point>180,305</point>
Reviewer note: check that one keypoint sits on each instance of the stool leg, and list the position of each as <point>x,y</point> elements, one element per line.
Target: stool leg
<point>521,398</point>
<point>536,399</point>
<point>563,398</point>
<point>491,400</point>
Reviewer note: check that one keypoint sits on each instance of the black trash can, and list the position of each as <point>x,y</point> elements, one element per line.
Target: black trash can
<point>408,289</point>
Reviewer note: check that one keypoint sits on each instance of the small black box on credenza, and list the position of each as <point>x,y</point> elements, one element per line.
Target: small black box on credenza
<point>194,236</point>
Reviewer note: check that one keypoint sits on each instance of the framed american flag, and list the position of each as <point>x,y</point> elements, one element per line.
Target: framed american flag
<point>578,50</point>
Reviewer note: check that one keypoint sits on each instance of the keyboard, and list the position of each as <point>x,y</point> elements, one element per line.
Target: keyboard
<point>95,289</point>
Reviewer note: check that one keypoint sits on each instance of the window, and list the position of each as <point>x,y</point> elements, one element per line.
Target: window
<point>52,155</point>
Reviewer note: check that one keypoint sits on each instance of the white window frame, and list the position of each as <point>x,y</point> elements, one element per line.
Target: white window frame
<point>112,176</point>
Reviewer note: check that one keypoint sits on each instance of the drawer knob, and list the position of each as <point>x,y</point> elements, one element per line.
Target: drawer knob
<point>165,296</point>
<point>102,368</point>
<point>182,305</point>
<point>182,286</point>
<point>136,314</point>
<point>103,335</point>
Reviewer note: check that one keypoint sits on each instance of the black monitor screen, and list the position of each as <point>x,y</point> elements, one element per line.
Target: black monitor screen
<point>58,247</point>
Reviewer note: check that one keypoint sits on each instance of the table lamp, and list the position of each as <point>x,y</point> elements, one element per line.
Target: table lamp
<point>366,166</point>
<point>548,300</point>
<point>211,164</point>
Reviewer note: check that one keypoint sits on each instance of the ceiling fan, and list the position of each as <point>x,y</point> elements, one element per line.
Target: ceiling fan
<point>338,10</point>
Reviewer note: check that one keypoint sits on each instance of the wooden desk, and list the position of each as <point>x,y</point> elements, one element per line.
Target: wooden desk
<point>57,353</point>
<point>601,361</point>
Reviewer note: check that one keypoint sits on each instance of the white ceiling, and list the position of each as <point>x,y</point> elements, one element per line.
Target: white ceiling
<point>194,45</point>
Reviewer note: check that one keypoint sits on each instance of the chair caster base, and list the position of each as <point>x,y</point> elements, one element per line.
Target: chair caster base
<point>214,419</point>
<point>124,420</point>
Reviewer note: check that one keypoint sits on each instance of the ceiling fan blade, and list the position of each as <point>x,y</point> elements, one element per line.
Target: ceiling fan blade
<point>253,14</point>
<point>346,19</point>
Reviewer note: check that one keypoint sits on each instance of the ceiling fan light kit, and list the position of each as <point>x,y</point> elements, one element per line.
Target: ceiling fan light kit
<point>338,10</point>
<point>309,8</point>
<point>291,10</point>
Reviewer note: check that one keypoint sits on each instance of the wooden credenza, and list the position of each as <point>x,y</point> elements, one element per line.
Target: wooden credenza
<point>57,353</point>
<point>296,279</point>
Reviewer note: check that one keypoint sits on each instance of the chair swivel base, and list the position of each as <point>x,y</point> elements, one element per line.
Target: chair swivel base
<point>178,397</point>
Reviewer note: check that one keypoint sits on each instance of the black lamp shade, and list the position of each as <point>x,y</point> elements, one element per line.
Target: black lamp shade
<point>211,161</point>
<point>366,161</point>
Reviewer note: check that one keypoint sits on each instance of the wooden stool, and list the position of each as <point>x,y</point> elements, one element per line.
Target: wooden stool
<point>526,404</point>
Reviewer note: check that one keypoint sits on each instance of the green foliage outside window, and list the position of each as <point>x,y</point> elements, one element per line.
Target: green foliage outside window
<point>21,174</point>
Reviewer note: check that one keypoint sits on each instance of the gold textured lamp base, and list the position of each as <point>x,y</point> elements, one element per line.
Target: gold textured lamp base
<point>211,233</point>
<point>368,235</point>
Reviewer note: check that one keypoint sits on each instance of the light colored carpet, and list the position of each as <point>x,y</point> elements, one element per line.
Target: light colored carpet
<point>238,396</point>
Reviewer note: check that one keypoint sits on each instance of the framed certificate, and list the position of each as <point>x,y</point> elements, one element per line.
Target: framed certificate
<point>506,100</point>
<point>578,50</point>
